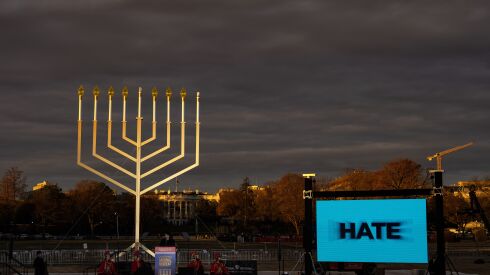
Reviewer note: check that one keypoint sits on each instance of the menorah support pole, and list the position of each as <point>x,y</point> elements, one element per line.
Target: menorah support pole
<point>147,250</point>
<point>138,174</point>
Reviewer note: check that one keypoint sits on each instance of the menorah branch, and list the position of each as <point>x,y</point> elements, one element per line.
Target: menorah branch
<point>87,167</point>
<point>167,146</point>
<point>196,163</point>
<point>153,135</point>
<point>94,153</point>
<point>161,150</point>
<point>182,142</point>
<point>110,146</point>
<point>124,122</point>
<point>125,137</point>
<point>154,93</point>
<point>94,141</point>
<point>182,154</point>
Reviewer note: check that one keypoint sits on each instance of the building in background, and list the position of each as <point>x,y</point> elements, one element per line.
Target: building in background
<point>482,188</point>
<point>180,206</point>
<point>40,185</point>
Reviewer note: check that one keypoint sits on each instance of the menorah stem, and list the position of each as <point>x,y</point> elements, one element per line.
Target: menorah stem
<point>138,180</point>
<point>139,101</point>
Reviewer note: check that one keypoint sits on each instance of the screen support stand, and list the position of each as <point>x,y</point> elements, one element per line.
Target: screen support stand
<point>309,194</point>
<point>308,224</point>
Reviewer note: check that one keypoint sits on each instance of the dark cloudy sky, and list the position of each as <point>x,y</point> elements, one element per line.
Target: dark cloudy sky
<point>287,85</point>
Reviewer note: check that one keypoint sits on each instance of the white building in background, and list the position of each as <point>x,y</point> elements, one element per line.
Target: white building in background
<point>180,207</point>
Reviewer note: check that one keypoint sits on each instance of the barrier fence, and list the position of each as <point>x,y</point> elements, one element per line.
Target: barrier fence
<point>94,256</point>
<point>184,256</point>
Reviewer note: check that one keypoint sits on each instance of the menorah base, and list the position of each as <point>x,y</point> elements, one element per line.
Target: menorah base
<point>137,246</point>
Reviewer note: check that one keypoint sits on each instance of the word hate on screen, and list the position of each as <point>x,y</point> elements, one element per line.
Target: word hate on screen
<point>372,231</point>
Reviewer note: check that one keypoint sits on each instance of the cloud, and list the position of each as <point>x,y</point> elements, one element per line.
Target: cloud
<point>286,86</point>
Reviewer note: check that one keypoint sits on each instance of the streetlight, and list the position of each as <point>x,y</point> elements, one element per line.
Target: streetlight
<point>117,234</point>
<point>117,224</point>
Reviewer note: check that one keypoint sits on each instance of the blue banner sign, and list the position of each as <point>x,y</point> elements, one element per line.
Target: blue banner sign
<point>165,260</point>
<point>372,231</point>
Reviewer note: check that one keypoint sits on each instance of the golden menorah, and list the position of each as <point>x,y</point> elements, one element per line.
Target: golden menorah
<point>138,159</point>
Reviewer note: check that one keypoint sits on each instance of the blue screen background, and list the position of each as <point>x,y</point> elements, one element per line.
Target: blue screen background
<point>412,248</point>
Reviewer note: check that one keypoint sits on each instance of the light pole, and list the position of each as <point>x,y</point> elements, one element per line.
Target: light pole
<point>117,235</point>
<point>117,224</point>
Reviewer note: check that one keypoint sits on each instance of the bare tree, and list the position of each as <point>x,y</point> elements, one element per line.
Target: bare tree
<point>402,174</point>
<point>355,179</point>
<point>13,185</point>
<point>95,200</point>
<point>266,208</point>
<point>48,202</point>
<point>229,204</point>
<point>288,198</point>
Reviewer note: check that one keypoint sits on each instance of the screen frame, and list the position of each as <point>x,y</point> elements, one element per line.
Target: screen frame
<point>426,252</point>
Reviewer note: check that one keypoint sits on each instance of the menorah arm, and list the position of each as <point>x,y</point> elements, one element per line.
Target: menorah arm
<point>170,178</point>
<point>110,146</point>
<point>163,165</point>
<point>94,153</point>
<point>163,149</point>
<point>166,147</point>
<point>105,177</point>
<point>87,167</point>
<point>196,163</point>
<point>182,152</point>
<point>153,135</point>
<point>124,135</point>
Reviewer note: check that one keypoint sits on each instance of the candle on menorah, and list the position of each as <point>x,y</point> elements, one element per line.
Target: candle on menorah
<point>137,175</point>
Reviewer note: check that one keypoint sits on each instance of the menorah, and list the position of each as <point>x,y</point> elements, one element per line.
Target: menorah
<point>138,159</point>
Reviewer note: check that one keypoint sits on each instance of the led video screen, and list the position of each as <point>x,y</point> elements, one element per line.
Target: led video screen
<point>372,231</point>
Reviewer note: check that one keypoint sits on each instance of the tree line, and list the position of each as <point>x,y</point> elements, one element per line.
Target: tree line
<point>88,209</point>
<point>281,201</point>
<point>92,208</point>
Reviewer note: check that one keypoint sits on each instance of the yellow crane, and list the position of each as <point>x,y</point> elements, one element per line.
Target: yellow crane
<point>438,156</point>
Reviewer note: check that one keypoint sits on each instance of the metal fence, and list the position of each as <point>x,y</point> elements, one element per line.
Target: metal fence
<point>94,256</point>
<point>90,257</point>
